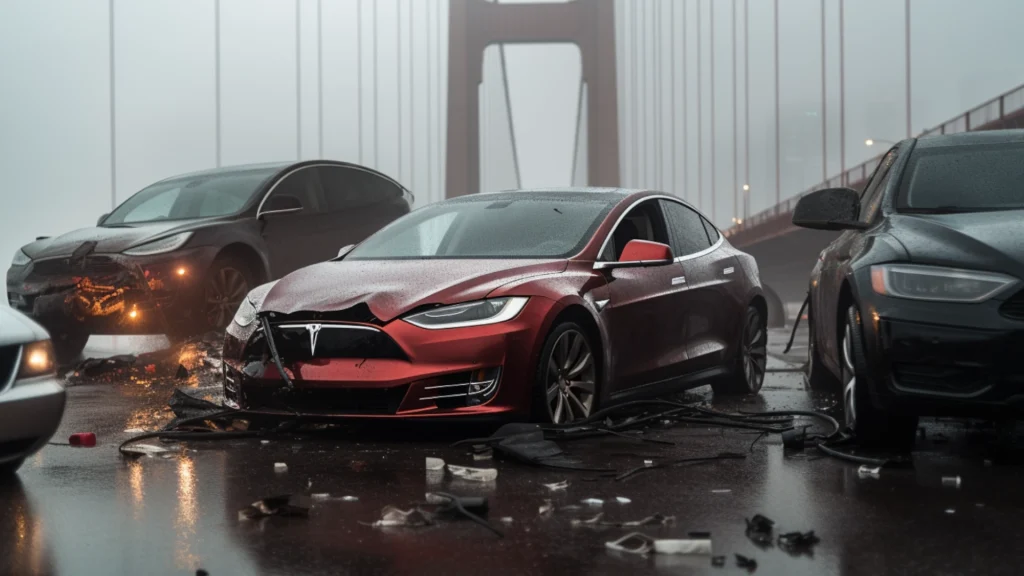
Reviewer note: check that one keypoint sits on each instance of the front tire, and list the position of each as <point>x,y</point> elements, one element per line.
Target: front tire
<point>565,384</point>
<point>747,374</point>
<point>873,427</point>
<point>227,283</point>
<point>818,376</point>
<point>8,469</point>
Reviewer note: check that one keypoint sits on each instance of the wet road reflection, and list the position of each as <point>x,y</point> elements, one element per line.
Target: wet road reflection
<point>86,511</point>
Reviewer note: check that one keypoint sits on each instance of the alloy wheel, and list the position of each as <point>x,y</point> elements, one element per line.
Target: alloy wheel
<point>225,289</point>
<point>755,352</point>
<point>850,386</point>
<point>571,379</point>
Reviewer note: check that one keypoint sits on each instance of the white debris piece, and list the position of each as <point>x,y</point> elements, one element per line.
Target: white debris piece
<point>950,510</point>
<point>577,522</point>
<point>721,491</point>
<point>648,463</point>
<point>391,517</point>
<point>557,485</point>
<point>951,482</point>
<point>622,500</point>
<point>264,441</point>
<point>435,464</point>
<point>700,546</point>
<point>869,472</point>
<point>546,509</point>
<point>592,502</point>
<point>507,520</point>
<point>280,467</point>
<point>473,474</point>
<point>350,499</point>
<point>323,496</point>
<point>145,449</point>
<point>135,431</point>
<point>633,543</point>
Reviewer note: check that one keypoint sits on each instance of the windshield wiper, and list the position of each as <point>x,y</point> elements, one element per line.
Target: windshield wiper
<point>116,226</point>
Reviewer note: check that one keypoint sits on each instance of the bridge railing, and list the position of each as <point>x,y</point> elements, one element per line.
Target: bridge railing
<point>976,118</point>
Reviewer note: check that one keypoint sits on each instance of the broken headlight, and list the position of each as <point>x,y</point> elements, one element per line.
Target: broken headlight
<point>37,359</point>
<point>246,313</point>
<point>20,258</point>
<point>160,246</point>
<point>477,313</point>
<point>937,283</point>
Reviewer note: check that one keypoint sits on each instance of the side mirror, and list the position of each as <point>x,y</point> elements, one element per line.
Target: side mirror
<point>344,251</point>
<point>640,254</point>
<point>102,218</point>
<point>829,209</point>
<point>281,204</point>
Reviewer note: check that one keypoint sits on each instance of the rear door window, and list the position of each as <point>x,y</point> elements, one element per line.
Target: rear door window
<point>687,228</point>
<point>348,188</point>
<point>301,184</point>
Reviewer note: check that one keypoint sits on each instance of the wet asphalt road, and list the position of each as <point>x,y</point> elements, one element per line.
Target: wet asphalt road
<point>88,511</point>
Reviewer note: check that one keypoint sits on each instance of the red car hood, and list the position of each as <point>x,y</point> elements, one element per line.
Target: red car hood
<point>393,287</point>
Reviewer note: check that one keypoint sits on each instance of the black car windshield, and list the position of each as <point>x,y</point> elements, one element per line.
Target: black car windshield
<point>485,226</point>
<point>199,196</point>
<point>966,178</point>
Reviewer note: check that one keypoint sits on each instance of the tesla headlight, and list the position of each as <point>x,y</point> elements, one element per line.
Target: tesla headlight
<point>937,283</point>
<point>477,313</point>
<point>20,258</point>
<point>160,246</point>
<point>246,313</point>
<point>37,359</point>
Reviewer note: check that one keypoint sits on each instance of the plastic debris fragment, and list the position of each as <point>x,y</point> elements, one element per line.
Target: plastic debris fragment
<point>557,485</point>
<point>280,467</point>
<point>264,441</point>
<point>798,541</point>
<point>598,520</point>
<point>473,474</point>
<point>144,450</point>
<point>323,496</point>
<point>546,509</point>
<point>391,517</point>
<point>135,431</point>
<point>950,510</point>
<point>350,499</point>
<point>592,502</point>
<point>748,564</point>
<point>759,530</point>
<point>633,543</point>
<point>701,546</point>
<point>82,439</point>
<point>285,505</point>
<point>595,521</point>
<point>622,500</point>
<point>869,472</point>
<point>507,520</point>
<point>721,491</point>
<point>435,464</point>
<point>951,482</point>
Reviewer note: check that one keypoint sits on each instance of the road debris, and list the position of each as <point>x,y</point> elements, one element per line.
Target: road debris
<point>622,500</point>
<point>556,486</point>
<point>323,496</point>
<point>148,450</point>
<point>950,510</point>
<point>473,474</point>
<point>721,491</point>
<point>135,431</point>
<point>691,546</point>
<point>434,464</point>
<point>280,467</point>
<point>392,517</point>
<point>546,509</point>
<point>350,499</point>
<point>632,543</point>
<point>470,507</point>
<point>599,521</point>
<point>951,482</point>
<point>82,439</point>
<point>748,564</point>
<point>507,520</point>
<point>759,530</point>
<point>595,502</point>
<point>284,505</point>
<point>869,471</point>
<point>182,373</point>
<point>798,542</point>
<point>795,439</point>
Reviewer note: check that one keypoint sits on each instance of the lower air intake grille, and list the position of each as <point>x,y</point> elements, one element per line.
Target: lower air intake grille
<point>327,401</point>
<point>1014,306</point>
<point>942,379</point>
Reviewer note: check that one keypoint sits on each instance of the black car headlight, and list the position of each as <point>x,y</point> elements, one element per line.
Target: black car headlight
<point>479,313</point>
<point>168,244</point>
<point>37,359</point>
<point>20,258</point>
<point>937,283</point>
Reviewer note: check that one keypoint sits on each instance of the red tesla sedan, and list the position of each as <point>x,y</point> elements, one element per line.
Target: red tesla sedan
<point>542,304</point>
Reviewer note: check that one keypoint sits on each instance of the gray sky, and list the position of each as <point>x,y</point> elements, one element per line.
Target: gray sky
<point>55,141</point>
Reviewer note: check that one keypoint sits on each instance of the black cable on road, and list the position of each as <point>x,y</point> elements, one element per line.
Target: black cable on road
<point>796,323</point>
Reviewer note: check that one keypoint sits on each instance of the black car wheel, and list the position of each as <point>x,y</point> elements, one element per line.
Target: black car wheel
<point>818,375</point>
<point>565,388</point>
<point>873,427</point>
<point>68,346</point>
<point>747,374</point>
<point>9,468</point>
<point>226,286</point>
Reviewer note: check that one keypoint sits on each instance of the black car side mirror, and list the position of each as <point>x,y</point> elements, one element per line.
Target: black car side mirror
<point>281,204</point>
<point>829,209</point>
<point>102,218</point>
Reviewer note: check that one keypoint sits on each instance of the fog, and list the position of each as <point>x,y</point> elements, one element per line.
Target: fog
<point>366,81</point>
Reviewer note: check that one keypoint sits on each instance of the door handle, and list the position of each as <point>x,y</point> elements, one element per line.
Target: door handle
<point>679,280</point>
<point>728,271</point>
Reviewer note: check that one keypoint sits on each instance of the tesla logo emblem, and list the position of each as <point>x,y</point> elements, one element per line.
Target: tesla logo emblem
<point>314,331</point>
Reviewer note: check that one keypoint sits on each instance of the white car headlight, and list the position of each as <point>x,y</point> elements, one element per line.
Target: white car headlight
<point>937,283</point>
<point>20,258</point>
<point>246,313</point>
<point>37,359</point>
<point>160,246</point>
<point>479,313</point>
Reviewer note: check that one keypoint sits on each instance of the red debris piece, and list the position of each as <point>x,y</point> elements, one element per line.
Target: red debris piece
<point>151,369</point>
<point>83,439</point>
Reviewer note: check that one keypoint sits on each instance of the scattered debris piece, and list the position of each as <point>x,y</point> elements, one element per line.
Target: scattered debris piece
<point>135,431</point>
<point>182,373</point>
<point>149,450</point>
<point>350,499</point>
<point>309,483</point>
<point>507,520</point>
<point>718,561</point>
<point>632,543</point>
<point>280,467</point>
<point>595,502</point>
<point>150,368</point>
<point>759,530</point>
<point>526,443</point>
<point>482,452</point>
<point>285,505</point>
<point>392,517</point>
<point>694,547</point>
<point>950,510</point>
<point>794,439</point>
<point>435,464</point>
<point>721,491</point>
<point>748,564</point>
<point>186,407</point>
<point>82,439</point>
<point>648,463</point>
<point>797,542</point>
<point>470,507</point>
<point>264,441</point>
<point>473,474</point>
<point>869,472</point>
<point>323,496</point>
<point>557,485</point>
<point>951,482</point>
<point>578,522</point>
<point>93,367</point>
<point>598,521</point>
<point>622,500</point>
<point>546,509</point>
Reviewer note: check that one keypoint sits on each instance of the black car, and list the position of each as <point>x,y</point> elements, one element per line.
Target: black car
<point>179,256</point>
<point>917,308</point>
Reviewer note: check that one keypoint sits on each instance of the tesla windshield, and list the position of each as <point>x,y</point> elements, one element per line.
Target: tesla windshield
<point>198,196</point>
<point>491,226</point>
<point>967,178</point>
